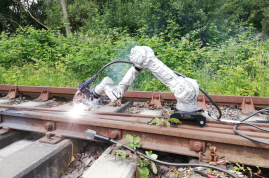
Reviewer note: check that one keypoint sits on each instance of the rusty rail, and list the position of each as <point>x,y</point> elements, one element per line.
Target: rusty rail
<point>186,139</point>
<point>174,140</point>
<point>259,102</point>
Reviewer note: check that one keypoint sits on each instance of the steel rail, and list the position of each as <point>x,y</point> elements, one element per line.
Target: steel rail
<point>181,139</point>
<point>174,139</point>
<point>211,123</point>
<point>259,102</point>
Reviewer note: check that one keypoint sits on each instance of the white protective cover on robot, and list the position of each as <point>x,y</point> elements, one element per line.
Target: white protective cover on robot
<point>117,92</point>
<point>186,90</point>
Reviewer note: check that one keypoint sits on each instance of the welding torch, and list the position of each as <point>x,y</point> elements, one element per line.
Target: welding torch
<point>84,86</point>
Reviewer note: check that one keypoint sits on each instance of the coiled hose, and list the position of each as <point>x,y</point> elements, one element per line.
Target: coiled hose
<point>242,122</point>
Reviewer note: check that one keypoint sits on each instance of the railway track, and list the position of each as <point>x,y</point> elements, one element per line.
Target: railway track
<point>185,139</point>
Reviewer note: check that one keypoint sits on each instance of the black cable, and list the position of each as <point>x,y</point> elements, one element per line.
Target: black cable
<point>220,114</point>
<point>113,62</point>
<point>128,62</point>
<point>236,125</point>
<point>247,137</point>
<point>175,164</point>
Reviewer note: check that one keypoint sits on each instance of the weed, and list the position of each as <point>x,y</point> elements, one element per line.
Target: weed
<point>121,153</point>
<point>166,122</point>
<point>143,165</point>
<point>132,142</point>
<point>129,110</point>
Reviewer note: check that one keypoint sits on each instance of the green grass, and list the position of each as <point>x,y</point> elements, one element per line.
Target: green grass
<point>35,76</point>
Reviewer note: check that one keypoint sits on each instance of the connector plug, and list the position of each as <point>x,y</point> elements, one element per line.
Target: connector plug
<point>91,134</point>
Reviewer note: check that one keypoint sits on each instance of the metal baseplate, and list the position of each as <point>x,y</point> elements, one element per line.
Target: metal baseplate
<point>51,138</point>
<point>13,93</point>
<point>247,106</point>
<point>116,103</point>
<point>4,130</point>
<point>201,102</point>
<point>155,101</point>
<point>44,96</point>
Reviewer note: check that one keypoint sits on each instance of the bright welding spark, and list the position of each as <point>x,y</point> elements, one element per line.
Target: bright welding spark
<point>77,110</point>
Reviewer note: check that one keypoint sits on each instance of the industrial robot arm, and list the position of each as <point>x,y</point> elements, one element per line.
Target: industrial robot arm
<point>186,90</point>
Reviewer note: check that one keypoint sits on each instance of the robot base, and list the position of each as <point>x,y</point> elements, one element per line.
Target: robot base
<point>196,116</point>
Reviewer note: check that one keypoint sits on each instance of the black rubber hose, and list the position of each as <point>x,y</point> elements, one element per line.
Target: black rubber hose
<point>128,62</point>
<point>105,66</point>
<point>247,137</point>
<point>175,164</point>
<point>220,114</point>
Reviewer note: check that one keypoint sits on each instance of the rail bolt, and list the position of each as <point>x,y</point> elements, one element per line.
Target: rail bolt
<point>197,146</point>
<point>48,126</point>
<point>115,133</point>
<point>48,135</point>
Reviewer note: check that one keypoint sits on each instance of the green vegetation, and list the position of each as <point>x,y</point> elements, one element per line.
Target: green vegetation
<point>165,121</point>
<point>222,44</point>
<point>143,165</point>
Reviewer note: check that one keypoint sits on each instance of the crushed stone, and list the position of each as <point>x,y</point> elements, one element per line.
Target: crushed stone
<point>89,153</point>
<point>23,99</point>
<point>228,112</point>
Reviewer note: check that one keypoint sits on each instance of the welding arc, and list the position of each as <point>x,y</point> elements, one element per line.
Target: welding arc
<point>173,164</point>
<point>247,137</point>
<point>128,62</point>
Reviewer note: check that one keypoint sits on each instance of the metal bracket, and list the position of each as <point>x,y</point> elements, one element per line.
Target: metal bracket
<point>155,101</point>
<point>247,106</point>
<point>212,158</point>
<point>117,103</point>
<point>115,134</point>
<point>197,145</point>
<point>44,96</point>
<point>13,93</point>
<point>4,130</point>
<point>51,138</point>
<point>201,102</point>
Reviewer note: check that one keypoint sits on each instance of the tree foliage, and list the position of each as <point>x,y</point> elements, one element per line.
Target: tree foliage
<point>12,14</point>
<point>222,44</point>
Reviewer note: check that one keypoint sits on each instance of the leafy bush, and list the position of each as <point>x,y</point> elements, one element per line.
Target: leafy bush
<point>237,66</point>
